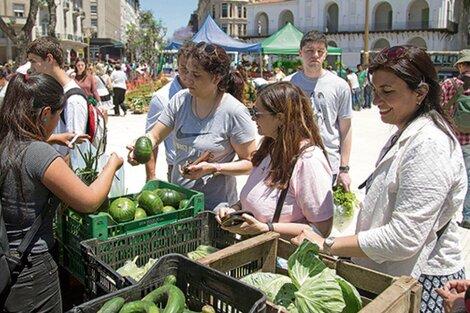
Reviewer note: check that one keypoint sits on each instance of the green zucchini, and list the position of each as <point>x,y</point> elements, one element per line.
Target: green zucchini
<point>112,306</point>
<point>170,280</point>
<point>139,307</point>
<point>175,300</point>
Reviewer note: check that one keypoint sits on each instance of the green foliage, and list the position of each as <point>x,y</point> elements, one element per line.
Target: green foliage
<point>347,200</point>
<point>287,66</point>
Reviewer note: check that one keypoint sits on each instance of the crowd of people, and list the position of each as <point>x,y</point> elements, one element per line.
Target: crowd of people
<point>407,223</point>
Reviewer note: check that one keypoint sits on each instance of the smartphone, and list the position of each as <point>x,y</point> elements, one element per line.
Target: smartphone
<point>234,218</point>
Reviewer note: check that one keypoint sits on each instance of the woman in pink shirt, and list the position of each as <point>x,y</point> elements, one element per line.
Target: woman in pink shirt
<point>85,80</point>
<point>291,156</point>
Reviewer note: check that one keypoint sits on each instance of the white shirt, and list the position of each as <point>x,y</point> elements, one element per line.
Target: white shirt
<point>353,80</point>
<point>119,79</point>
<point>75,114</point>
<point>415,190</point>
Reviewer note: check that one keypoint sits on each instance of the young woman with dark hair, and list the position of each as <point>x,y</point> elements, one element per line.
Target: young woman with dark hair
<point>291,155</point>
<point>207,120</point>
<point>85,80</point>
<point>407,224</point>
<point>31,172</point>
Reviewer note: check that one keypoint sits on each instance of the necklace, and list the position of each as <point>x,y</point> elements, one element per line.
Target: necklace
<point>212,107</point>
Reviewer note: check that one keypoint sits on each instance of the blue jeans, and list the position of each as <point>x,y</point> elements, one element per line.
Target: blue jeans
<point>356,97</point>
<point>466,203</point>
<point>36,288</point>
<point>367,96</point>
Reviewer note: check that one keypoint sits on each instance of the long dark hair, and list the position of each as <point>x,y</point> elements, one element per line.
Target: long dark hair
<point>25,98</point>
<point>214,60</point>
<point>413,65</point>
<point>298,126</point>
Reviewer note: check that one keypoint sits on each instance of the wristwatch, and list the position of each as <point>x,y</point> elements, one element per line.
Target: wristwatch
<point>327,244</point>
<point>344,169</point>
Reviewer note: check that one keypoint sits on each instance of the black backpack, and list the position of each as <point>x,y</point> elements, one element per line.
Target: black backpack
<point>10,263</point>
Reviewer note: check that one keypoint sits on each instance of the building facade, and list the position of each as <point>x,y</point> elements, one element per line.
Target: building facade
<point>230,15</point>
<point>68,29</point>
<point>429,24</point>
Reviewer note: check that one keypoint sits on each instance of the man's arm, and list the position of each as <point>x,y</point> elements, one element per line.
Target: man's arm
<point>345,135</point>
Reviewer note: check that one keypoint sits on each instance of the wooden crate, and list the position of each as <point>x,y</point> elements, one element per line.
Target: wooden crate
<point>380,293</point>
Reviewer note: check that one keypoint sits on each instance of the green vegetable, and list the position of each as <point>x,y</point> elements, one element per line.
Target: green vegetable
<point>139,307</point>
<point>201,251</point>
<point>143,150</point>
<point>345,199</point>
<point>122,210</point>
<point>170,280</point>
<point>350,296</point>
<point>319,294</point>
<point>278,288</point>
<point>175,300</point>
<point>112,306</point>
<point>207,309</point>
<point>183,203</point>
<point>131,269</point>
<point>140,214</point>
<point>168,209</point>
<point>169,197</point>
<point>150,202</point>
<point>304,263</point>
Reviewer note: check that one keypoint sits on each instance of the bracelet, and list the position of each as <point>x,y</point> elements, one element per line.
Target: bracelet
<point>270,226</point>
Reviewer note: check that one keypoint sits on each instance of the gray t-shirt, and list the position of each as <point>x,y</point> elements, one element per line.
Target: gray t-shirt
<point>19,213</point>
<point>229,124</point>
<point>331,101</point>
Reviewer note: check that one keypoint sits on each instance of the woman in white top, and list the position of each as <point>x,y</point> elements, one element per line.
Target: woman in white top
<point>103,85</point>
<point>119,79</point>
<point>407,224</point>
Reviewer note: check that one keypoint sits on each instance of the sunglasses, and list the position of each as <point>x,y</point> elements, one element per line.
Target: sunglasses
<point>255,114</point>
<point>208,47</point>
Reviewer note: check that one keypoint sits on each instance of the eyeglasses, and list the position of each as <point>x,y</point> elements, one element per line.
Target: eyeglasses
<point>208,47</point>
<point>255,114</point>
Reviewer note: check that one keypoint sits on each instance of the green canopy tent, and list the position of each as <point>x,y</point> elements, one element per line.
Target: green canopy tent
<point>287,41</point>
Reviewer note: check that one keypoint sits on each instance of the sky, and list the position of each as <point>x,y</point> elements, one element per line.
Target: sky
<point>173,13</point>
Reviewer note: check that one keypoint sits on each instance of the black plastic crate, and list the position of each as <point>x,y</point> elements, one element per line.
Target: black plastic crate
<point>104,257</point>
<point>200,284</point>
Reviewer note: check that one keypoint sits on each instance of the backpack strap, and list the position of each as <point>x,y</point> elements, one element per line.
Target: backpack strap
<point>71,92</point>
<point>456,95</point>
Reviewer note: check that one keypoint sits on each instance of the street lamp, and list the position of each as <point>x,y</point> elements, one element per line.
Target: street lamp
<point>366,35</point>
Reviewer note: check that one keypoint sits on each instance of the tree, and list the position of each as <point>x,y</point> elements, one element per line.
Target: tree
<point>52,7</point>
<point>464,8</point>
<point>22,38</point>
<point>147,39</point>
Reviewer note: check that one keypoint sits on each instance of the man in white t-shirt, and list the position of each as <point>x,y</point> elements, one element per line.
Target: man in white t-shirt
<point>353,82</point>
<point>331,102</point>
<point>46,56</point>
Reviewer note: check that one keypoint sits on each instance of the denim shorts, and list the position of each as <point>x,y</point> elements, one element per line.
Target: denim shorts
<point>37,287</point>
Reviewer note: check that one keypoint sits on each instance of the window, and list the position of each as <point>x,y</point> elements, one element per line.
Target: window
<point>44,27</point>
<point>224,10</point>
<point>18,10</point>
<point>240,30</point>
<point>244,12</point>
<point>94,22</point>
<point>93,9</point>
<point>239,11</point>
<point>213,11</point>
<point>224,28</point>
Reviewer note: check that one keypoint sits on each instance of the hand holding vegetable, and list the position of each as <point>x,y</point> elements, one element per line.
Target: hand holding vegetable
<point>221,212</point>
<point>344,180</point>
<point>452,299</point>
<point>114,161</point>
<point>251,226</point>
<point>196,171</point>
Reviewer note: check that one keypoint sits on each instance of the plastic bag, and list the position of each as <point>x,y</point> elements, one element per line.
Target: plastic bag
<point>77,162</point>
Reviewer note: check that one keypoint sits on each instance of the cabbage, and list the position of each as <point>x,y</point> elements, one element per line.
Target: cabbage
<point>131,269</point>
<point>320,294</point>
<point>271,284</point>
<point>350,296</point>
<point>305,263</point>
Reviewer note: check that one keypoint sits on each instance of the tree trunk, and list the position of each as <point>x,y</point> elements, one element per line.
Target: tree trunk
<point>52,17</point>
<point>23,38</point>
<point>464,6</point>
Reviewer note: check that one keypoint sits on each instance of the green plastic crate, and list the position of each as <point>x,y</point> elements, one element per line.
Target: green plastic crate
<point>72,227</point>
<point>103,258</point>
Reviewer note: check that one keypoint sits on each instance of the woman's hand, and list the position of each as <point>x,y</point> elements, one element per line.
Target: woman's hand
<point>222,212</point>
<point>65,139</point>
<point>196,171</point>
<point>130,156</point>
<point>251,226</point>
<point>449,296</point>
<point>308,233</point>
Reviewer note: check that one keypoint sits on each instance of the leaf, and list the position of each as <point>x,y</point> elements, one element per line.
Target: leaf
<point>319,294</point>
<point>305,263</point>
<point>269,283</point>
<point>350,295</point>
